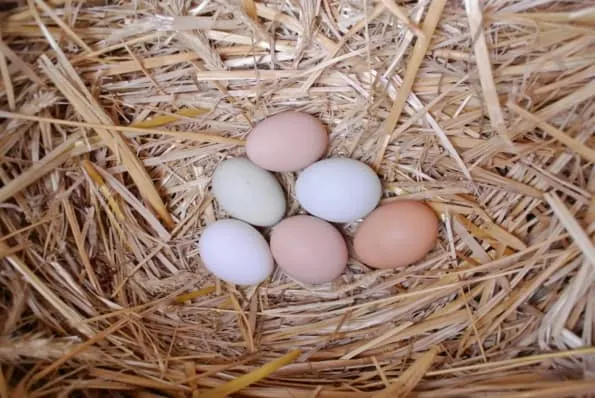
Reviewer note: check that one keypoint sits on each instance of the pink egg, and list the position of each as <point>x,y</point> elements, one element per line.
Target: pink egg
<point>287,141</point>
<point>309,249</point>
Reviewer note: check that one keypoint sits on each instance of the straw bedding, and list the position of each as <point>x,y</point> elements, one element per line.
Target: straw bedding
<point>114,115</point>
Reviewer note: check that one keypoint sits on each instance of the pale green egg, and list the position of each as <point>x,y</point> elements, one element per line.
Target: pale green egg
<point>249,193</point>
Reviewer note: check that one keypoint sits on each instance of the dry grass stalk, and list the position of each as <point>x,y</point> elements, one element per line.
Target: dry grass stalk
<point>116,113</point>
<point>85,104</point>
<point>419,51</point>
<point>407,381</point>
<point>252,377</point>
<point>7,82</point>
<point>135,129</point>
<point>484,69</point>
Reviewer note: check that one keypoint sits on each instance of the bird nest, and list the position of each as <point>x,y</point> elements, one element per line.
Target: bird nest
<point>114,114</point>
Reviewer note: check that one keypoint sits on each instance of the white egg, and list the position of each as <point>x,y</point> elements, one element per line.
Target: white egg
<point>248,192</point>
<point>338,189</point>
<point>235,252</point>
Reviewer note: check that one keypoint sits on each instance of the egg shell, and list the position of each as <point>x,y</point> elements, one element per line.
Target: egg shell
<point>309,249</point>
<point>235,252</point>
<point>287,141</point>
<point>249,193</point>
<point>396,234</point>
<point>338,189</point>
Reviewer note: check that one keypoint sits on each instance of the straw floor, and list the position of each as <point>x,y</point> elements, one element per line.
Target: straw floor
<point>114,114</point>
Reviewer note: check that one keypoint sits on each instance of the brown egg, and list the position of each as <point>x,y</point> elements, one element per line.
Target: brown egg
<point>396,234</point>
<point>287,141</point>
<point>309,249</point>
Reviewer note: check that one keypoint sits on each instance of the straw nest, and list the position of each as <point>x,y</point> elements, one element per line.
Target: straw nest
<point>115,114</point>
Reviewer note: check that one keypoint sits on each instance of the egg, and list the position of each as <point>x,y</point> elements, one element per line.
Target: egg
<point>309,249</point>
<point>338,189</point>
<point>248,192</point>
<point>287,141</point>
<point>235,252</point>
<point>396,234</point>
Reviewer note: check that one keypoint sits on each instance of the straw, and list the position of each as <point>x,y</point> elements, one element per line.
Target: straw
<point>252,377</point>
<point>114,115</point>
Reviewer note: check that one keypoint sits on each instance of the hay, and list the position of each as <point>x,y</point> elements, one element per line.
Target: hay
<point>114,115</point>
